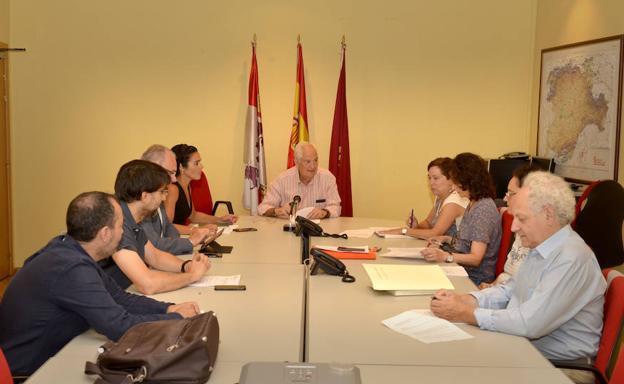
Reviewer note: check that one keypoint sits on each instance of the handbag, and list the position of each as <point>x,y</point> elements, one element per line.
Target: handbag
<point>168,351</point>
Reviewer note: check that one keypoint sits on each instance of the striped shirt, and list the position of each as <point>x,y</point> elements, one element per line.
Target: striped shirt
<point>320,192</point>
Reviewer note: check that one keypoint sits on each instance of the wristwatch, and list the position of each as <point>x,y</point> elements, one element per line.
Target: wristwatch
<point>449,258</point>
<point>404,231</point>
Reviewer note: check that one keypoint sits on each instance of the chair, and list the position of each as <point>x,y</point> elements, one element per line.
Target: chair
<point>611,330</point>
<point>618,370</point>
<point>599,220</point>
<point>202,199</point>
<point>507,239</point>
<point>5,372</point>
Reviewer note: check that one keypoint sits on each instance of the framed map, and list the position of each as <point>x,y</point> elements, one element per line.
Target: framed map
<point>579,108</point>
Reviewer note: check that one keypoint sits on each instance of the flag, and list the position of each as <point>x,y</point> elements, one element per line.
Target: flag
<point>300,116</point>
<point>339,158</point>
<point>255,169</point>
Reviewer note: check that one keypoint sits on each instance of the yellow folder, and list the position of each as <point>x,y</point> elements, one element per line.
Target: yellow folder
<point>402,279</point>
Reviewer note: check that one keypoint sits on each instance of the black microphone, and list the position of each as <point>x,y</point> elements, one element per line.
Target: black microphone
<point>294,205</point>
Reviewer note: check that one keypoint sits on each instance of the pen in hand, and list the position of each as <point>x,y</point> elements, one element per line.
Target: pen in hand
<point>411,219</point>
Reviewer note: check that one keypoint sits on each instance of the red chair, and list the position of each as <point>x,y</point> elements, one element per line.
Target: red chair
<point>507,238</point>
<point>5,372</point>
<point>202,199</point>
<point>618,370</point>
<point>611,331</point>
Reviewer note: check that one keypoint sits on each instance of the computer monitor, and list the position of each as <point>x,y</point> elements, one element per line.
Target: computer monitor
<point>501,171</point>
<point>545,163</point>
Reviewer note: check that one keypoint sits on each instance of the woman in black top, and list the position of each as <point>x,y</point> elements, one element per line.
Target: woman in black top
<point>179,204</point>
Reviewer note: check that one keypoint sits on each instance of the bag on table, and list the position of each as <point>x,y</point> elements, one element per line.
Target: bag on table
<point>180,351</point>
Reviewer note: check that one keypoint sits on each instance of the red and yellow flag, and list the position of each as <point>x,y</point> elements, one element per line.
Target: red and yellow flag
<point>300,116</point>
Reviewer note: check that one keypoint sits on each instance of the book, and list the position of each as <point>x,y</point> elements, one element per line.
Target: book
<point>403,280</point>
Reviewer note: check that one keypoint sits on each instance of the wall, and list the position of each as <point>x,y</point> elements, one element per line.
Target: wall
<point>561,22</point>
<point>104,79</point>
<point>4,21</point>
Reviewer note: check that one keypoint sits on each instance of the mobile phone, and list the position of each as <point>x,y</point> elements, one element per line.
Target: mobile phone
<point>249,229</point>
<point>230,287</point>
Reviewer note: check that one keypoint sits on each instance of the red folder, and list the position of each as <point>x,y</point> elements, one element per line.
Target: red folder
<point>372,255</point>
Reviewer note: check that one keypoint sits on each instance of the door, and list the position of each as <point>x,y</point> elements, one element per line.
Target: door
<point>5,211</point>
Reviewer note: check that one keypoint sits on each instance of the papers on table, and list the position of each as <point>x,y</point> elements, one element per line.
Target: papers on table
<point>454,270</point>
<point>423,326</point>
<point>406,253</point>
<point>304,212</point>
<point>359,233</point>
<point>227,230</point>
<point>401,279</point>
<point>211,281</point>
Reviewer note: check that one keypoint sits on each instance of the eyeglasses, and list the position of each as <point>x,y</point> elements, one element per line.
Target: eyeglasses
<point>164,191</point>
<point>509,193</point>
<point>170,172</point>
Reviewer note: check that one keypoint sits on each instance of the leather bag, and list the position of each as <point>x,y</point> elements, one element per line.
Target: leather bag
<point>169,351</point>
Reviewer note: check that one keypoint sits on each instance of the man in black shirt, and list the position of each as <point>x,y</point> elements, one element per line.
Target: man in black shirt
<point>61,291</point>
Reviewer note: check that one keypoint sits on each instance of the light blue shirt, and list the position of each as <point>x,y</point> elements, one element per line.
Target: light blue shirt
<point>556,299</point>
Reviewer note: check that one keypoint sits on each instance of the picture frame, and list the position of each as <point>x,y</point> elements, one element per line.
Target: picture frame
<point>580,104</point>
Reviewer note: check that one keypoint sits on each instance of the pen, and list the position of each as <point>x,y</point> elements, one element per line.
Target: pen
<point>411,219</point>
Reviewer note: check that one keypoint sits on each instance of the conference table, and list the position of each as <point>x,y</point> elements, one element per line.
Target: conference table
<point>287,315</point>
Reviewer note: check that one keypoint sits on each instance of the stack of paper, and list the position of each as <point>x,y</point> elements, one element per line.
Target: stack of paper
<point>424,326</point>
<point>402,280</point>
<point>407,253</point>
<point>211,281</point>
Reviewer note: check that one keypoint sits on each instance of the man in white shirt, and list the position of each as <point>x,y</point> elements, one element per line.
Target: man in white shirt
<point>556,299</point>
<point>315,186</point>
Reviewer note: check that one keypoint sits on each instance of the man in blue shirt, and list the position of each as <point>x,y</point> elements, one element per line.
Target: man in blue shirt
<point>61,291</point>
<point>556,299</point>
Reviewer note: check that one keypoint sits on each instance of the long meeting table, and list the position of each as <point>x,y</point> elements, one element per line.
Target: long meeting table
<point>287,315</point>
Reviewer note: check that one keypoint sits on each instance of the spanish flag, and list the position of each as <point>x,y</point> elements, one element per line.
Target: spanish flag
<point>300,116</point>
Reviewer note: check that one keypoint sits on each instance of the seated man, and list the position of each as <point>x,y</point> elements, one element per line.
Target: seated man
<point>158,228</point>
<point>141,187</point>
<point>61,291</point>
<point>316,187</point>
<point>556,299</point>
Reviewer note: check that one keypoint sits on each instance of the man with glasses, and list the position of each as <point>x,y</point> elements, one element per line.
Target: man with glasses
<point>158,228</point>
<point>141,187</point>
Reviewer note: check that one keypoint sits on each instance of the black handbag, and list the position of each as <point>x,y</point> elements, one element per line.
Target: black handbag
<point>181,351</point>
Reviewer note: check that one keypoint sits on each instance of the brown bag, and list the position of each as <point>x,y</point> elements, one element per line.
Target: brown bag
<point>181,351</point>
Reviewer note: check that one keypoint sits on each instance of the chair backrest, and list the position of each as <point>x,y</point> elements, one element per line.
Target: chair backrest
<point>599,222</point>
<point>581,201</point>
<point>202,199</point>
<point>506,241</point>
<point>613,316</point>
<point>5,372</point>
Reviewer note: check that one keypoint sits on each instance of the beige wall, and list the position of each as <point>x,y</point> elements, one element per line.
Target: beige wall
<point>4,21</point>
<point>561,22</point>
<point>104,79</point>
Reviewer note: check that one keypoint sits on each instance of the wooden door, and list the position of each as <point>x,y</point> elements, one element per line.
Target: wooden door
<point>5,196</point>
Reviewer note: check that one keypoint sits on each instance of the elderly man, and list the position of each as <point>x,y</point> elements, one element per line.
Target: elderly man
<point>316,187</point>
<point>158,228</point>
<point>61,291</point>
<point>141,187</point>
<point>556,299</point>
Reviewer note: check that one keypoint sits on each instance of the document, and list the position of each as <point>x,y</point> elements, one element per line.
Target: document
<point>364,233</point>
<point>425,327</point>
<point>454,270</point>
<point>405,279</point>
<point>406,253</point>
<point>211,281</point>
<point>229,229</point>
<point>378,231</point>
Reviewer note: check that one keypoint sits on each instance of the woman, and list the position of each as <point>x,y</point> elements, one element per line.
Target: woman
<point>448,206</point>
<point>179,204</point>
<point>518,253</point>
<point>475,245</point>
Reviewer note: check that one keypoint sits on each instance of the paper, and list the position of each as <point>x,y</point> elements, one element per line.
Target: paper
<point>454,270</point>
<point>425,327</point>
<point>350,248</point>
<point>304,212</point>
<point>227,230</point>
<point>378,230</point>
<point>211,281</point>
<point>407,253</point>
<point>401,279</point>
<point>359,233</point>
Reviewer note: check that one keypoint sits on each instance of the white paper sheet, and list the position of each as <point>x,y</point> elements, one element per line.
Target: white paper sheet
<point>454,270</point>
<point>407,253</point>
<point>425,327</point>
<point>227,230</point>
<point>211,281</point>
<point>364,233</point>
